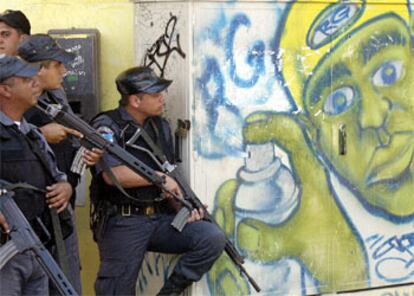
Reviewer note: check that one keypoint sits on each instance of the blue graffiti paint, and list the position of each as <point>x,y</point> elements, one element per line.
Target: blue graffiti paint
<point>396,251</point>
<point>211,74</point>
<point>255,56</point>
<point>241,69</point>
<point>332,21</point>
<point>213,31</point>
<point>224,121</point>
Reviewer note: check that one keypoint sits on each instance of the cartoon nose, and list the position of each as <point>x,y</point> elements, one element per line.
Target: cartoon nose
<point>374,109</point>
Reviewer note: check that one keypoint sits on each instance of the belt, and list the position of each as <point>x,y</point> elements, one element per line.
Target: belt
<point>128,210</point>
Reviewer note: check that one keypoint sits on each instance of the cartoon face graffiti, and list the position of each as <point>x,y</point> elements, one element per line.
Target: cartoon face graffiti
<point>366,83</point>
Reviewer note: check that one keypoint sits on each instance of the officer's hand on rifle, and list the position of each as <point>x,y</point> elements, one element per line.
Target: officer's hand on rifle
<point>58,195</point>
<point>55,132</point>
<point>196,214</point>
<point>3,224</point>
<point>91,157</point>
<point>171,186</point>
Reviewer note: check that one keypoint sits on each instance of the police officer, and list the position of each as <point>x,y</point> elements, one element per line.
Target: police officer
<point>26,157</point>
<point>43,50</point>
<point>14,28</point>
<point>141,222</point>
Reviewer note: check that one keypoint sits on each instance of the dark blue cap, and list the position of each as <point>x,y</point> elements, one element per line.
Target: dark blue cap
<point>41,47</point>
<point>11,66</point>
<point>140,80</point>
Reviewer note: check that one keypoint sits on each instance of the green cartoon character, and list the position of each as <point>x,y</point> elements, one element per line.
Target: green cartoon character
<point>350,147</point>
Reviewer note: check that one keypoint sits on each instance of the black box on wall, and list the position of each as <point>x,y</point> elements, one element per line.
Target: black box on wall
<point>81,82</point>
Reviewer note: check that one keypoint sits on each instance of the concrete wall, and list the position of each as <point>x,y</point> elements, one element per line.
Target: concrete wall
<point>302,138</point>
<point>113,19</point>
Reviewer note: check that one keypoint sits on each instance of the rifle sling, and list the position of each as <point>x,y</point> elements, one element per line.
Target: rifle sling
<point>155,147</point>
<point>118,185</point>
<point>57,230</point>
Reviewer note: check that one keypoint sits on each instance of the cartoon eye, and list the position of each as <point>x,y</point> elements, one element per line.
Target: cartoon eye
<point>339,101</point>
<point>388,73</point>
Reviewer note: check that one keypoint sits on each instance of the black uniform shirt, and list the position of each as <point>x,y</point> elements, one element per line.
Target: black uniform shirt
<point>25,128</point>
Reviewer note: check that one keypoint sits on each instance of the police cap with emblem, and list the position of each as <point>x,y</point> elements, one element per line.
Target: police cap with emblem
<point>41,47</point>
<point>11,66</point>
<point>140,80</point>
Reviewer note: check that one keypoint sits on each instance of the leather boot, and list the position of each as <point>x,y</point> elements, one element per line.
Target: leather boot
<point>174,286</point>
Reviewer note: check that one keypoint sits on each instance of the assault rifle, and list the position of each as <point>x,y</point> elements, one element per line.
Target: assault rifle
<point>23,238</point>
<point>92,138</point>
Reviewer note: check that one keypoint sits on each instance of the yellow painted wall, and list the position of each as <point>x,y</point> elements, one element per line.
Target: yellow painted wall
<point>114,20</point>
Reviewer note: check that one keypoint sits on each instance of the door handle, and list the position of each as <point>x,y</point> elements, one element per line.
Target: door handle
<point>342,139</point>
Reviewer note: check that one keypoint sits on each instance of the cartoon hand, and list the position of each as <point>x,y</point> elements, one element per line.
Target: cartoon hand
<point>317,234</point>
<point>224,277</point>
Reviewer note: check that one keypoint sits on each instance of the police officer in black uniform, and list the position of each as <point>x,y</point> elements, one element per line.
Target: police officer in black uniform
<point>138,214</point>
<point>43,49</point>
<point>26,157</point>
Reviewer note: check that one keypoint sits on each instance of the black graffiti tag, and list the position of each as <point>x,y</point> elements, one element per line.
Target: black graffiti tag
<point>159,53</point>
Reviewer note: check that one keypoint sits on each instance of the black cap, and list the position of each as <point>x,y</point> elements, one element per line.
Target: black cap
<point>140,80</point>
<point>41,47</point>
<point>11,66</point>
<point>16,19</point>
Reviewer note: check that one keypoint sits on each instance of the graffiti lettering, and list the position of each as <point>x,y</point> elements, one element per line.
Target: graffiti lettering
<point>159,53</point>
<point>255,56</point>
<point>224,121</point>
<point>331,24</point>
<point>396,252</point>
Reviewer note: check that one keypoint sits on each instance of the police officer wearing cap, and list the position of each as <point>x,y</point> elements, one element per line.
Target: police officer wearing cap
<point>26,157</point>
<point>43,50</point>
<point>14,28</point>
<point>141,221</point>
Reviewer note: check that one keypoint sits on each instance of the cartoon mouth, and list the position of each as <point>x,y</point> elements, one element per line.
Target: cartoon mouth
<point>392,162</point>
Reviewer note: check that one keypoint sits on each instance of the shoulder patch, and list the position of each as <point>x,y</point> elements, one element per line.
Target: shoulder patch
<point>107,133</point>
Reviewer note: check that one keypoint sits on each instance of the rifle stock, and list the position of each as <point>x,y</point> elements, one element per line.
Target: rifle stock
<point>23,238</point>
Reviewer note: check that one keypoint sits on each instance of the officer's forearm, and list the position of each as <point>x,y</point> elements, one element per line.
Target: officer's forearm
<point>126,177</point>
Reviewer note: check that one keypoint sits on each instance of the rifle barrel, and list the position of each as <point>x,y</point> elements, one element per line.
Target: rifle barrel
<point>24,238</point>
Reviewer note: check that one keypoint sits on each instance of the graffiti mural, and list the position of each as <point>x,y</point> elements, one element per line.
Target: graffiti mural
<point>316,106</point>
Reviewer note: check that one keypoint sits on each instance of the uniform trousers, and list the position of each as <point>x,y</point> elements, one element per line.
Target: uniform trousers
<point>23,275</point>
<point>126,239</point>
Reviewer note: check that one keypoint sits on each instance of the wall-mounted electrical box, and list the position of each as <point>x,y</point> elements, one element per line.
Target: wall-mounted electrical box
<point>81,82</point>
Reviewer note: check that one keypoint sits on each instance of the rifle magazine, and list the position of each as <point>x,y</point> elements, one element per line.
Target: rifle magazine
<point>180,219</point>
<point>7,251</point>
